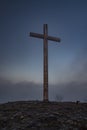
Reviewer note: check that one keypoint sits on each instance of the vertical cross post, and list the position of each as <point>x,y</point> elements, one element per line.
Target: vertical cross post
<point>45,57</point>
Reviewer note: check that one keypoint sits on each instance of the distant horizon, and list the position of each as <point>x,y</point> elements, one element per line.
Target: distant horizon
<point>34,91</point>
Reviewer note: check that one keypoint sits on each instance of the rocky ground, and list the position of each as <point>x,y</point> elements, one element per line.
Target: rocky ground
<point>35,115</point>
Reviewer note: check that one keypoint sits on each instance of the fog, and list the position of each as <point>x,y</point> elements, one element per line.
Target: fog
<point>72,91</point>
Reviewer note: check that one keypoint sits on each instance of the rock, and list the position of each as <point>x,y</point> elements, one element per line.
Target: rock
<point>43,116</point>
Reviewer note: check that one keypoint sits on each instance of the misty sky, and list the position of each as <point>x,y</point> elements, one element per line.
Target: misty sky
<point>21,56</point>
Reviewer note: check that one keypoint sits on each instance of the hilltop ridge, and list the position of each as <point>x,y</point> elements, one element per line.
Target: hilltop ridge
<point>37,115</point>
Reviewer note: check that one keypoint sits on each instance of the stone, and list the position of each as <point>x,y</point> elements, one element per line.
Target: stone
<point>43,116</point>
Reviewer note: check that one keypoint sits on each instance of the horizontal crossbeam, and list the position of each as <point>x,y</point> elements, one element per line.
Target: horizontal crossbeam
<point>42,37</point>
<point>53,39</point>
<point>36,35</point>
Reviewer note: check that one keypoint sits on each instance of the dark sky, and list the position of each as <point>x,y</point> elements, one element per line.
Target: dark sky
<point>21,56</point>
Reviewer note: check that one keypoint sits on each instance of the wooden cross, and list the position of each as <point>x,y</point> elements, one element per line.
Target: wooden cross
<point>45,38</point>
